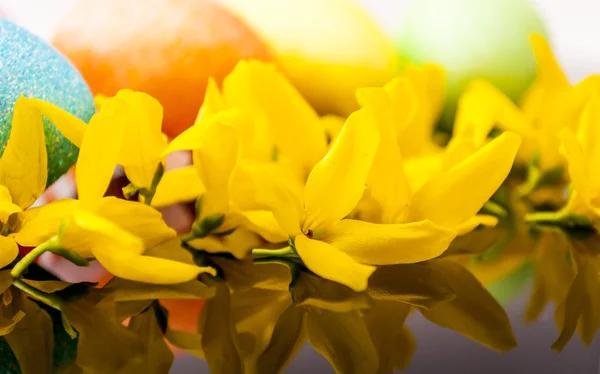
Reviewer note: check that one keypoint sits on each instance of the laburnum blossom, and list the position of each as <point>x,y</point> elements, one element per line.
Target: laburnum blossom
<point>116,232</point>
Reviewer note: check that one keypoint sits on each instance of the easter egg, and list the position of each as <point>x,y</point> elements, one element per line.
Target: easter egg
<point>165,48</point>
<point>472,39</point>
<point>32,68</point>
<point>327,48</point>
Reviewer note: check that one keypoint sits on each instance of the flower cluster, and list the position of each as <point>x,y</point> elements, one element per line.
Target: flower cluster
<point>306,226</point>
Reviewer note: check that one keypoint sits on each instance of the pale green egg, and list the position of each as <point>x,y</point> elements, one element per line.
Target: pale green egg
<point>472,39</point>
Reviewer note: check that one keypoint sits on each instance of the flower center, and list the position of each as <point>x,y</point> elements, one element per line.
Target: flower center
<point>309,234</point>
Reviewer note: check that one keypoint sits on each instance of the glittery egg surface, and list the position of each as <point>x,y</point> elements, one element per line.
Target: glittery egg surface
<point>32,68</point>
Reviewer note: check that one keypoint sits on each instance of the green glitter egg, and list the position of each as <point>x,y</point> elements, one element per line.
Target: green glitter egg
<point>32,68</point>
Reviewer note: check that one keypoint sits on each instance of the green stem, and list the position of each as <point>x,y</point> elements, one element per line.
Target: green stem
<point>562,218</point>
<point>188,238</point>
<point>494,209</point>
<point>70,256</point>
<point>158,174</point>
<point>46,298</point>
<point>274,252</point>
<point>22,265</point>
<point>543,217</point>
<point>533,178</point>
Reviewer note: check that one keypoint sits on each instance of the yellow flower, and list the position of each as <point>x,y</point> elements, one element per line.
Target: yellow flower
<point>23,174</point>
<point>227,189</point>
<point>338,249</point>
<point>550,105</point>
<point>270,100</point>
<point>583,156</point>
<point>417,99</point>
<point>126,131</point>
<point>448,198</point>
<point>116,232</point>
<point>275,123</point>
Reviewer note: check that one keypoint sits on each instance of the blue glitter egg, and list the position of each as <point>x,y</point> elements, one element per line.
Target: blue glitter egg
<point>31,67</point>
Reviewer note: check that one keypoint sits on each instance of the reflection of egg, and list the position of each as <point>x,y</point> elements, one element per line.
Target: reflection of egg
<point>473,39</point>
<point>30,67</point>
<point>165,48</point>
<point>327,48</point>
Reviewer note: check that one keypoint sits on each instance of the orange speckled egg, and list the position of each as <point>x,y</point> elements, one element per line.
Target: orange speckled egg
<point>166,48</point>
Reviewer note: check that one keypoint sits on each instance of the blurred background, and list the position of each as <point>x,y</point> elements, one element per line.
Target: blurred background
<point>572,26</point>
<point>573,30</point>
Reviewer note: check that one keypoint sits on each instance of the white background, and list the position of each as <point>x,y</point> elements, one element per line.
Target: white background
<point>574,24</point>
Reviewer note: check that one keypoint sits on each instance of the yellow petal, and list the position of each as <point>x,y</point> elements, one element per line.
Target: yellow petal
<point>476,221</point>
<point>549,71</point>
<point>337,182</point>
<point>178,186</point>
<point>146,269</point>
<point>100,149</point>
<point>293,123</point>
<point>482,106</point>
<point>420,169</point>
<point>333,125</point>
<point>578,170</point>
<point>264,224</point>
<point>69,125</point>
<point>138,219</point>
<point>330,263</point>
<point>588,136</point>
<point>473,312</point>
<point>275,194</point>
<point>213,102</point>
<point>39,224</point>
<point>389,244</point>
<point>423,94</point>
<point>7,207</point>
<point>456,195</point>
<point>143,141</point>
<point>343,339</point>
<point>8,251</point>
<point>391,190</point>
<point>120,253</point>
<point>216,161</point>
<point>23,166</point>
